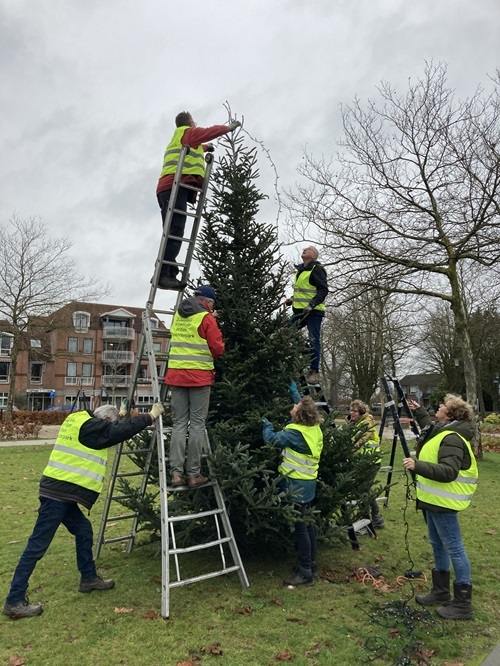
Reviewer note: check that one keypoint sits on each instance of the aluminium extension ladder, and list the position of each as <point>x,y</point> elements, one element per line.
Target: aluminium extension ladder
<point>222,525</point>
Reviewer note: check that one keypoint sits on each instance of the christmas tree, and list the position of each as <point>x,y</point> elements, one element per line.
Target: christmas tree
<point>241,258</point>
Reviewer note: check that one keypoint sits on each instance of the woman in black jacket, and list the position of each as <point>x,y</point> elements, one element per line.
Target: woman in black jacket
<point>446,478</point>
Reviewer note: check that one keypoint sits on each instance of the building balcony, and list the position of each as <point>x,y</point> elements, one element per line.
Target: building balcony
<point>118,333</point>
<point>117,356</point>
<point>78,381</point>
<point>116,380</point>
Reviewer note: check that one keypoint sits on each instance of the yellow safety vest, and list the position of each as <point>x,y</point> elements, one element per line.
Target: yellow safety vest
<point>300,465</point>
<point>194,164</point>
<point>304,292</point>
<point>72,461</point>
<point>455,495</point>
<point>372,444</point>
<point>188,350</point>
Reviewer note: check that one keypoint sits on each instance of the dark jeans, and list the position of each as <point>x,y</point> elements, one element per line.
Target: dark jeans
<point>176,227</point>
<point>50,515</point>
<point>446,542</point>
<point>313,323</point>
<point>305,540</point>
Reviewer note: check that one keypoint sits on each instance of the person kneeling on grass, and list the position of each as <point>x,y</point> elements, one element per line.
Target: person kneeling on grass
<point>301,442</point>
<point>74,475</point>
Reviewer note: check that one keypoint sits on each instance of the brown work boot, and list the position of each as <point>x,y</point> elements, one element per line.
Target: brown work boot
<point>196,481</point>
<point>178,480</point>
<point>96,583</point>
<point>21,609</point>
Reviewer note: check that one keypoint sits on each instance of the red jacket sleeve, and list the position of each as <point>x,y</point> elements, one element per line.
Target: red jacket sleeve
<point>195,136</point>
<point>210,330</point>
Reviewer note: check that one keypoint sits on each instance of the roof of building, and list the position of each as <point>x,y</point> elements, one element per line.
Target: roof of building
<point>423,379</point>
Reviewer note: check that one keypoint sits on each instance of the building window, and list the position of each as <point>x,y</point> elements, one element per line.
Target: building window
<point>35,344</point>
<point>3,398</point>
<point>88,346</point>
<point>4,371</point>
<point>71,378</point>
<point>154,322</point>
<point>73,345</point>
<point>156,347</point>
<point>5,344</point>
<point>81,321</point>
<point>36,373</point>
<point>86,369</point>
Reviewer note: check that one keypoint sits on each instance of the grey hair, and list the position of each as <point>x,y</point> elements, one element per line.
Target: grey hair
<point>108,412</point>
<point>315,251</point>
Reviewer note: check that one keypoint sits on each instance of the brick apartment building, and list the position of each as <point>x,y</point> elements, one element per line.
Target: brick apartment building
<point>82,348</point>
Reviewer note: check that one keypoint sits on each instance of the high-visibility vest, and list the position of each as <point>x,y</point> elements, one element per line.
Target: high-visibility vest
<point>194,164</point>
<point>455,495</point>
<point>188,350</point>
<point>372,444</point>
<point>72,461</point>
<point>304,292</point>
<point>301,465</point>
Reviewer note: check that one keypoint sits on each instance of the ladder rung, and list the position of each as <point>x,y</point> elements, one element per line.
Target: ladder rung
<point>388,468</point>
<point>196,579</point>
<point>193,516</point>
<point>190,187</point>
<point>118,498</point>
<point>116,539</point>
<point>124,516</point>
<point>120,475</point>
<point>130,452</point>
<point>200,546</point>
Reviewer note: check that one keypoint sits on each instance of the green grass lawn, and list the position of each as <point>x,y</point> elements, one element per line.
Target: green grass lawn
<point>215,621</point>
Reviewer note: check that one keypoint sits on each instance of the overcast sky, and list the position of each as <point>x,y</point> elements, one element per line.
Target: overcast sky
<point>90,89</point>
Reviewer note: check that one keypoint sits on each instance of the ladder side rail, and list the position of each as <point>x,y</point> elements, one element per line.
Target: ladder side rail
<point>142,490</point>
<point>225,520</point>
<point>200,204</point>
<point>403,403</point>
<point>162,473</point>
<point>107,501</point>
<point>167,221</point>
<point>175,549</point>
<point>221,544</point>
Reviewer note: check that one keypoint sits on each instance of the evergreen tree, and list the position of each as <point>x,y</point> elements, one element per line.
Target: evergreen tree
<point>240,257</point>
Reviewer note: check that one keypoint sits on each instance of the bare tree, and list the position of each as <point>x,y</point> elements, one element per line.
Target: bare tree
<point>414,195</point>
<point>36,278</point>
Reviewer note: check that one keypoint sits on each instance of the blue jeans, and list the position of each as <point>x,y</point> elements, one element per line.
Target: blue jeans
<point>313,323</point>
<point>50,515</point>
<point>305,540</point>
<point>446,542</point>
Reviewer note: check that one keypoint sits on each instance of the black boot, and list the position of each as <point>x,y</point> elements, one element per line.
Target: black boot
<point>440,591</point>
<point>300,576</point>
<point>461,607</point>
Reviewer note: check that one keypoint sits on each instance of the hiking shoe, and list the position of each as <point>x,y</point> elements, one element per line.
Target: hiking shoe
<point>178,480</point>
<point>299,579</point>
<point>378,522</point>
<point>312,377</point>
<point>171,283</point>
<point>196,481</point>
<point>21,609</point>
<point>96,583</point>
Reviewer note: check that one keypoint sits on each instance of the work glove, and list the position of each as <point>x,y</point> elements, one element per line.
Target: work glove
<point>156,410</point>
<point>306,310</point>
<point>123,408</point>
<point>266,422</point>
<point>234,124</point>
<point>209,147</point>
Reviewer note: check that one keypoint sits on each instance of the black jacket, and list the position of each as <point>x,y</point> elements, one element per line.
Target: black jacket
<point>95,434</point>
<point>318,280</point>
<point>453,454</point>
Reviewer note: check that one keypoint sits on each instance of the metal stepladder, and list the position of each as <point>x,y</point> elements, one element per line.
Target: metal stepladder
<point>317,394</point>
<point>394,409</point>
<point>222,525</point>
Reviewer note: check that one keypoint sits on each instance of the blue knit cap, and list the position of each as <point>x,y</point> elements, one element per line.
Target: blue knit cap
<point>206,292</point>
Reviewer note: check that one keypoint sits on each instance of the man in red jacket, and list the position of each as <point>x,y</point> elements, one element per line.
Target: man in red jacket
<point>193,172</point>
<point>196,342</point>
